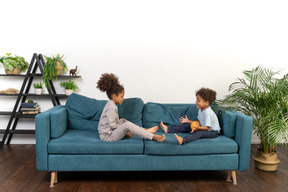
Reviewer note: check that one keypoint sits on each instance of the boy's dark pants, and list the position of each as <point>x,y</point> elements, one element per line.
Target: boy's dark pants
<point>185,128</point>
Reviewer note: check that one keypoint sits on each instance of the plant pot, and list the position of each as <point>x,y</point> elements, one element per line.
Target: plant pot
<point>59,68</point>
<point>38,91</point>
<point>15,71</point>
<point>68,91</point>
<point>266,161</point>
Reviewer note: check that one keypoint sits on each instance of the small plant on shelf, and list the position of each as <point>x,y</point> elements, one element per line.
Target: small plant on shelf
<point>69,86</point>
<point>38,88</point>
<point>14,65</point>
<point>38,85</point>
<point>53,67</point>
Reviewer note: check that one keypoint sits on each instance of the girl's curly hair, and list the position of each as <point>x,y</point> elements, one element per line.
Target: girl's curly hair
<point>109,83</point>
<point>207,94</point>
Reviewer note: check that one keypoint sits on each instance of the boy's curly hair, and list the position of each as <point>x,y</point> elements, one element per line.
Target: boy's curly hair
<point>207,94</point>
<point>109,83</point>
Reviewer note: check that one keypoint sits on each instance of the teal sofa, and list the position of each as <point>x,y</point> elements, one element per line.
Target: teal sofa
<point>67,140</point>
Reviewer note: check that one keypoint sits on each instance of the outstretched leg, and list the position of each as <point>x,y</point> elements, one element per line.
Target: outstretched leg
<point>126,127</point>
<point>182,128</point>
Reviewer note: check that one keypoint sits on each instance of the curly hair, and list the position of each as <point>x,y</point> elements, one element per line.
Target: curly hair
<point>207,94</point>
<point>109,83</point>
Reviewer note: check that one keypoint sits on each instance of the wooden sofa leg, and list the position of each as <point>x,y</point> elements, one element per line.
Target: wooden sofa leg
<point>234,178</point>
<point>233,174</point>
<point>54,178</point>
<point>229,176</point>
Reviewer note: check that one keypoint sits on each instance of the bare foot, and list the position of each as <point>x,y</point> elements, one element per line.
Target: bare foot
<point>164,127</point>
<point>159,138</point>
<point>179,139</point>
<point>153,129</point>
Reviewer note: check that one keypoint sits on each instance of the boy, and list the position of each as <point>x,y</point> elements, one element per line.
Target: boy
<point>209,124</point>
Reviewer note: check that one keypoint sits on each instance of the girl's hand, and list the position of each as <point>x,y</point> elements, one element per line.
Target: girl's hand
<point>184,120</point>
<point>129,135</point>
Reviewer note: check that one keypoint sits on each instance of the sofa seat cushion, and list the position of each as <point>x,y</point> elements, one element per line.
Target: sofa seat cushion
<point>88,142</point>
<point>218,145</point>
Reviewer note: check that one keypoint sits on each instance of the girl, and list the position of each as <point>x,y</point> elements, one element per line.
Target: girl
<point>110,127</point>
<point>209,124</point>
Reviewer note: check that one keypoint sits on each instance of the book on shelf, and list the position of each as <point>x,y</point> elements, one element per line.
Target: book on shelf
<point>29,108</point>
<point>30,105</point>
<point>30,112</point>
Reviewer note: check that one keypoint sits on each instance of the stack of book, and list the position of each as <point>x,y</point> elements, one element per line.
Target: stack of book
<point>30,108</point>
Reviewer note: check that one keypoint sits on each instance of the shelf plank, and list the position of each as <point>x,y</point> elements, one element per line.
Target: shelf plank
<point>39,75</point>
<point>19,114</point>
<point>24,131</point>
<point>34,95</point>
<point>5,113</point>
<point>3,94</point>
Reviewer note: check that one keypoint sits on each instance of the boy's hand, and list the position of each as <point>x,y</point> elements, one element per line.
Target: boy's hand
<point>184,120</point>
<point>194,129</point>
<point>129,135</point>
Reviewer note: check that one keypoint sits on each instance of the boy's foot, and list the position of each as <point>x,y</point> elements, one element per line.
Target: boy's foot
<point>179,139</point>
<point>153,129</point>
<point>159,138</point>
<point>164,127</point>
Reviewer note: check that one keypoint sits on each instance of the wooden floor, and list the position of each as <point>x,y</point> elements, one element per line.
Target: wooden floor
<point>18,173</point>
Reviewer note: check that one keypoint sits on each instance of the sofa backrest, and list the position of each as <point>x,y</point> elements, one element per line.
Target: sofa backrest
<point>154,113</point>
<point>84,113</point>
<point>227,120</point>
<point>131,109</point>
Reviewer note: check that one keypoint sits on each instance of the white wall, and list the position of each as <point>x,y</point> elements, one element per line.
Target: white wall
<point>162,51</point>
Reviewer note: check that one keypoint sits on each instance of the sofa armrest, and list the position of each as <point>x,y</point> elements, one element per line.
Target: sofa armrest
<point>58,120</point>
<point>43,136</point>
<point>243,136</point>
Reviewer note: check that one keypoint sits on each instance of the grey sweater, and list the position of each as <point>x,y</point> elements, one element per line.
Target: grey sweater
<point>109,119</point>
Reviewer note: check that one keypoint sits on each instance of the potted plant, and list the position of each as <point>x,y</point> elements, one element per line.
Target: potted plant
<point>265,98</point>
<point>53,67</point>
<point>69,86</point>
<point>38,88</point>
<point>14,65</point>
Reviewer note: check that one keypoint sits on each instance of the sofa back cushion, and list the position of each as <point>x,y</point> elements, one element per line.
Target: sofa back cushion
<point>131,109</point>
<point>154,113</point>
<point>84,113</point>
<point>227,120</point>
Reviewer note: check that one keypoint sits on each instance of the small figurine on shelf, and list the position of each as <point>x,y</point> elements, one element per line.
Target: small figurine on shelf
<point>73,71</point>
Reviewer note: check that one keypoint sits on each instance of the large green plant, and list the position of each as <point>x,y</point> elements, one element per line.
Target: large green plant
<point>50,68</point>
<point>265,98</point>
<point>10,62</point>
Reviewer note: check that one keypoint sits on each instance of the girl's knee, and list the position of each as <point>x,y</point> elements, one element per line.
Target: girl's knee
<point>127,124</point>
